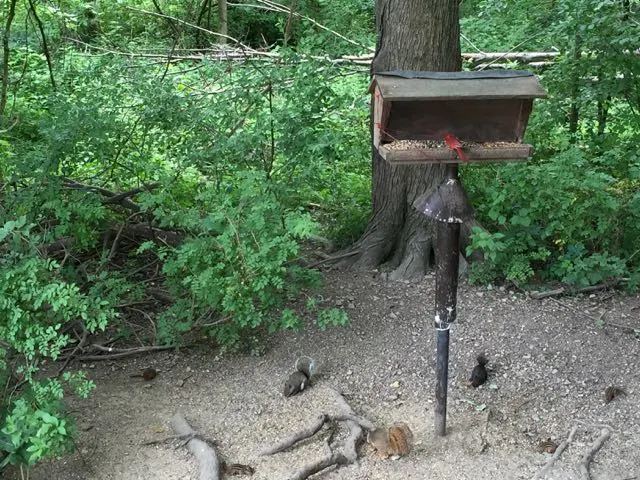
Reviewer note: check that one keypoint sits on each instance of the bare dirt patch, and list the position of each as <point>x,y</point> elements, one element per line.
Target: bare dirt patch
<point>552,362</point>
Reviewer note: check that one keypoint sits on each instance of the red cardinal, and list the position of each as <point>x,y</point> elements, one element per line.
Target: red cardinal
<point>454,144</point>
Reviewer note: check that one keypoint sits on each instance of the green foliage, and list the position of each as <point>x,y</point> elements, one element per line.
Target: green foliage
<point>35,303</point>
<point>554,218</point>
<point>242,161</point>
<point>239,265</point>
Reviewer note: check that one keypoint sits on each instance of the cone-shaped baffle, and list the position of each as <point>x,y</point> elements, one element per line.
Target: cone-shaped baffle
<point>448,203</point>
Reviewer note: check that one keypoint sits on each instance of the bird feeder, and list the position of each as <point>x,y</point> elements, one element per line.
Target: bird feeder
<point>487,112</point>
<point>450,117</point>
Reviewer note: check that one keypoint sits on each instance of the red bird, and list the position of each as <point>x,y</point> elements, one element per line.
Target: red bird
<point>454,144</point>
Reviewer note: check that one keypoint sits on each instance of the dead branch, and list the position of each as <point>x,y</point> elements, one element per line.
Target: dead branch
<point>148,232</point>
<point>191,25</point>
<point>605,433</point>
<point>45,46</point>
<point>287,442</point>
<point>119,197</point>
<point>123,202</point>
<point>80,346</point>
<point>122,353</point>
<point>204,453</point>
<point>563,290</point>
<point>561,448</point>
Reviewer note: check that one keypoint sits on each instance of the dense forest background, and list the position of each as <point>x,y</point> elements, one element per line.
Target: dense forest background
<point>167,166</point>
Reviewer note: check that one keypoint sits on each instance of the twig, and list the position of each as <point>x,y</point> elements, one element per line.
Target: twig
<point>556,455</point>
<point>125,353</point>
<point>204,453</point>
<point>197,27</point>
<point>116,242</point>
<point>80,345</point>
<point>605,433</point>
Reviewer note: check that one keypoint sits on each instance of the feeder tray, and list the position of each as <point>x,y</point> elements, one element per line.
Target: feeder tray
<point>487,111</point>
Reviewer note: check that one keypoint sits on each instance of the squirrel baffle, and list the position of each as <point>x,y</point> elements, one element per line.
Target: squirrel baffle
<point>305,369</point>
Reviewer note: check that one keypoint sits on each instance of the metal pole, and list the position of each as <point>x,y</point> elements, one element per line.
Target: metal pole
<point>447,260</point>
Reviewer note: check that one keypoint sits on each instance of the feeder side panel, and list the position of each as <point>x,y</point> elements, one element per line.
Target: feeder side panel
<point>525,110</point>
<point>469,120</point>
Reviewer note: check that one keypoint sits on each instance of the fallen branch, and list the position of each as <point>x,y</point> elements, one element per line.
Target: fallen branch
<point>563,290</point>
<point>561,448</point>
<point>122,353</point>
<point>204,453</point>
<point>605,433</point>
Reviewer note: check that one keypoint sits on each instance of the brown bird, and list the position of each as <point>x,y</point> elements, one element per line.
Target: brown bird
<point>479,373</point>
<point>147,374</point>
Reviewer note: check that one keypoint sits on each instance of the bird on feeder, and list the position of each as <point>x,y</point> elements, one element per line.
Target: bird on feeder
<point>454,144</point>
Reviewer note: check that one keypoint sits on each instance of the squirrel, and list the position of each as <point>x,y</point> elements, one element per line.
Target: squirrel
<point>479,373</point>
<point>305,369</point>
<point>395,440</point>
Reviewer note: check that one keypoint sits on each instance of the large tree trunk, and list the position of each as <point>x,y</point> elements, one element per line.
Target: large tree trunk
<point>412,35</point>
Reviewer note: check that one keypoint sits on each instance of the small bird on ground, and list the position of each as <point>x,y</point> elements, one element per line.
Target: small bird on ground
<point>147,374</point>
<point>479,373</point>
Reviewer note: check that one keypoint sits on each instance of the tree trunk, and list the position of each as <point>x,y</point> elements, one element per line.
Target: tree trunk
<point>412,35</point>
<point>222,21</point>
<point>5,57</point>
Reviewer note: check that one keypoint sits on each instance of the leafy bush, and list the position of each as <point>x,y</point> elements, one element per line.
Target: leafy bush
<point>238,266</point>
<point>36,304</point>
<point>554,218</point>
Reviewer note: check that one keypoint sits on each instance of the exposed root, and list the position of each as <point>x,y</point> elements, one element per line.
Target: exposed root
<point>605,433</point>
<point>561,448</point>
<point>339,453</point>
<point>204,453</point>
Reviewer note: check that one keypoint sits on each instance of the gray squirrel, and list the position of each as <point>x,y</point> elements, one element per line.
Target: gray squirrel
<point>305,369</point>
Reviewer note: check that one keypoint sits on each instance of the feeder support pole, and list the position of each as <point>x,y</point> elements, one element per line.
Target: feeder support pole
<point>449,206</point>
<point>447,260</point>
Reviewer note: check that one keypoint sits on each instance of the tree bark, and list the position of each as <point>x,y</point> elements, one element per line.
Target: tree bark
<point>222,21</point>
<point>5,57</point>
<point>412,35</point>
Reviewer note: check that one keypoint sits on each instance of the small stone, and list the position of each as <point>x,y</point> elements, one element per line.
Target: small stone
<point>349,372</point>
<point>395,384</point>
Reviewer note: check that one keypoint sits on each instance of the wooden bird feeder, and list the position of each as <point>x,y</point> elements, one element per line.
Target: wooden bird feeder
<point>487,111</point>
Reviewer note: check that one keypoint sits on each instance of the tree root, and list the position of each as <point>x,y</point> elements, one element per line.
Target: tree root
<point>561,448</point>
<point>340,453</point>
<point>204,453</point>
<point>605,433</point>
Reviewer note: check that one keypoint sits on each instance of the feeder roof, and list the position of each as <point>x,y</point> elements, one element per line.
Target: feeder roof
<point>406,85</point>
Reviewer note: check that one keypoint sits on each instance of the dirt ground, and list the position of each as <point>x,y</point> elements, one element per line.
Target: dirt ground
<point>551,359</point>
